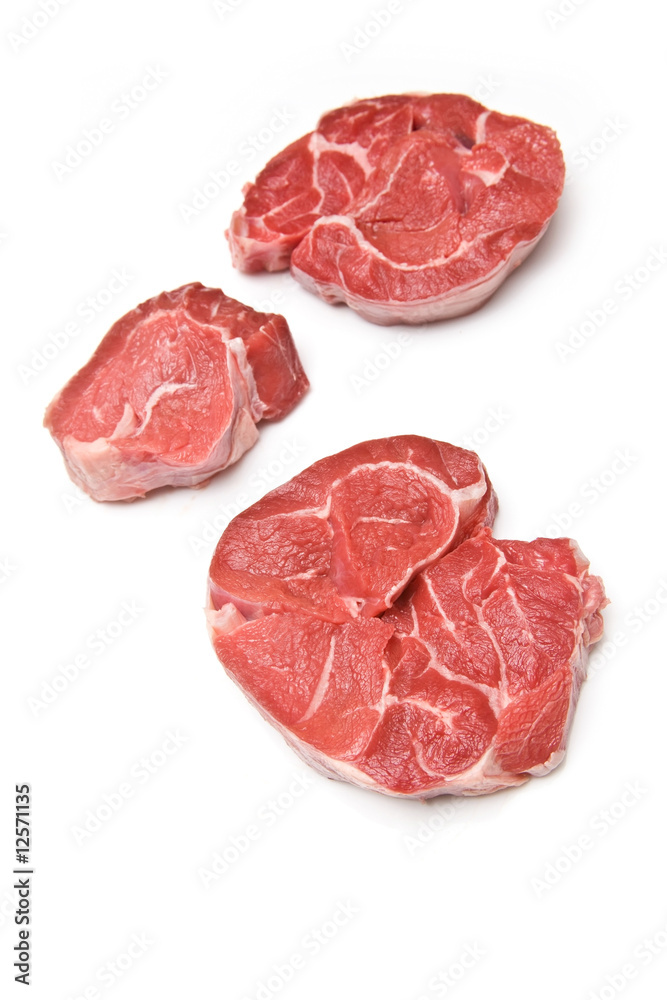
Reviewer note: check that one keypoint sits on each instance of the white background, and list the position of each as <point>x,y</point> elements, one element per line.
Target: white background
<point>480,881</point>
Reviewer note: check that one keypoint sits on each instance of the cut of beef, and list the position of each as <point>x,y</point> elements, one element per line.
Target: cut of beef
<point>408,208</point>
<point>367,612</point>
<point>346,536</point>
<point>173,393</point>
<point>486,663</point>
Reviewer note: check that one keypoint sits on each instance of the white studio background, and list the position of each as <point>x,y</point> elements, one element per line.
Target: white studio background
<point>554,890</point>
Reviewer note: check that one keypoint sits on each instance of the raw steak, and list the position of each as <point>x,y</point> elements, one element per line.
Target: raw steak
<point>346,536</point>
<point>173,393</point>
<point>408,208</point>
<point>465,684</point>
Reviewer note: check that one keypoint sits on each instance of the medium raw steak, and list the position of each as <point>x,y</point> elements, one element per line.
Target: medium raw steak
<point>173,393</point>
<point>408,208</point>
<point>370,616</point>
